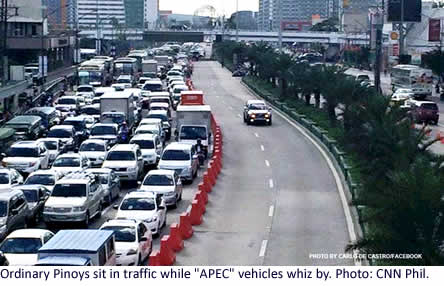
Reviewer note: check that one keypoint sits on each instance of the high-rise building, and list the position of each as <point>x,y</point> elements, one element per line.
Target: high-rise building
<point>151,14</point>
<point>299,12</point>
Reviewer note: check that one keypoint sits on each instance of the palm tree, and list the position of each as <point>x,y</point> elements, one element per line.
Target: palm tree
<point>283,63</point>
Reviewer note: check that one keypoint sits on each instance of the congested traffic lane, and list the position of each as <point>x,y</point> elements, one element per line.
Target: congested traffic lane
<point>275,202</point>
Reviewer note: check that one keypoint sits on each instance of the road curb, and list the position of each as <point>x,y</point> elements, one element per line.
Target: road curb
<point>324,144</point>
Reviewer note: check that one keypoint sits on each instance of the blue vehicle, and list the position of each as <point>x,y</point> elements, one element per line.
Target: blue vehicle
<point>80,247</point>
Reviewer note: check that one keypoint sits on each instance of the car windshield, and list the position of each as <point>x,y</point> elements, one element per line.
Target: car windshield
<point>123,233</point>
<point>84,89</point>
<point>50,145</point>
<point>69,190</point>
<point>68,101</point>
<point>78,125</point>
<point>430,106</point>
<point>90,146</point>
<point>91,111</point>
<point>21,245</point>
<point>59,133</point>
<point>4,178</point>
<point>176,155</point>
<point>121,156</point>
<point>67,162</point>
<point>138,204</point>
<point>144,144</point>
<point>3,208</point>
<point>159,180</point>
<point>159,116</point>
<point>22,152</point>
<point>257,107</point>
<point>30,195</point>
<point>41,179</point>
<point>193,133</point>
<point>123,80</point>
<point>144,131</point>
<point>153,87</point>
<point>104,130</point>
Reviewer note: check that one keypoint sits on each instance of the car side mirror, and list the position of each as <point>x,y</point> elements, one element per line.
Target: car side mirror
<point>143,239</point>
<point>14,211</point>
<point>115,207</point>
<point>3,154</point>
<point>161,207</point>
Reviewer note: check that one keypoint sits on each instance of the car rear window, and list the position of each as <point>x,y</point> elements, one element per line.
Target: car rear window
<point>429,106</point>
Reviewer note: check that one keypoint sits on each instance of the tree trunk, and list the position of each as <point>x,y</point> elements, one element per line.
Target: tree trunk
<point>273,81</point>
<point>317,96</point>
<point>283,87</point>
<point>307,97</point>
<point>331,114</point>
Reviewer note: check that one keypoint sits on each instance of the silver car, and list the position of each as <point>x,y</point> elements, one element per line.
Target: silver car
<point>110,183</point>
<point>166,183</point>
<point>14,212</point>
<point>182,158</point>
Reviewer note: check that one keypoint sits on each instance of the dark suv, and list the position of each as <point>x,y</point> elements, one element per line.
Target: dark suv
<point>425,111</point>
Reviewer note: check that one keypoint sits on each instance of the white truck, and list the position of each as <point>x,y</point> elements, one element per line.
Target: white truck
<point>149,66</point>
<point>193,123</point>
<point>118,106</point>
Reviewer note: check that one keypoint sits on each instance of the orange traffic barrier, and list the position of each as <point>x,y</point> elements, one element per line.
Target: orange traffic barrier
<point>203,196</point>
<point>154,259</point>
<point>206,182</point>
<point>167,255</point>
<point>200,201</point>
<point>212,170</point>
<point>185,228</point>
<point>210,176</point>
<point>217,164</point>
<point>195,213</point>
<point>175,240</point>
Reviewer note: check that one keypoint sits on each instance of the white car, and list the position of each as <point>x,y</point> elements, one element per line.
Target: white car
<point>151,147</point>
<point>154,121</point>
<point>27,156</point>
<point>126,160</point>
<point>125,80</point>
<point>148,129</point>
<point>95,150</point>
<point>145,206</point>
<point>105,131</point>
<point>67,104</point>
<point>9,178</point>
<point>21,246</point>
<point>66,134</point>
<point>110,183</point>
<point>70,162</point>
<point>182,158</point>
<point>54,146</point>
<point>166,183</point>
<point>90,120</point>
<point>47,178</point>
<point>133,241</point>
<point>160,106</point>
<point>142,81</point>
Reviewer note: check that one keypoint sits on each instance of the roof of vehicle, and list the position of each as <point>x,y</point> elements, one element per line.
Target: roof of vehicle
<point>99,170</point>
<point>44,172</point>
<point>179,146</point>
<point>9,194</point>
<point>28,232</point>
<point>26,144</point>
<point>117,94</point>
<point>104,89</point>
<point>136,194</point>
<point>96,141</point>
<point>159,104</point>
<point>153,81</point>
<point>150,121</point>
<point>86,85</point>
<point>161,172</point>
<point>146,136</point>
<point>124,147</point>
<point>49,139</point>
<point>78,240</point>
<point>125,59</point>
<point>79,177</point>
<point>43,109</point>
<point>120,222</point>
<point>147,127</point>
<point>115,125</point>
<point>21,118</point>
<point>162,112</point>
<point>70,155</point>
<point>95,105</point>
<point>159,93</point>
<point>181,86</point>
<point>62,127</point>
<point>125,76</point>
<point>63,260</point>
<point>181,107</point>
<point>256,101</point>
<point>74,118</point>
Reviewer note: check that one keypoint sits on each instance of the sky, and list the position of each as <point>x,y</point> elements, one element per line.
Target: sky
<point>226,7</point>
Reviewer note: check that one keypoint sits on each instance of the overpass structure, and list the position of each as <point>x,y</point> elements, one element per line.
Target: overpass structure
<point>256,36</point>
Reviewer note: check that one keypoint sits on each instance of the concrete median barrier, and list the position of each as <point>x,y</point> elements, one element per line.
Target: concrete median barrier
<point>175,240</point>
<point>185,227</point>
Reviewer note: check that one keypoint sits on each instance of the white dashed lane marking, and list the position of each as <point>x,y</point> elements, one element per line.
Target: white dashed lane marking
<point>257,135</point>
<point>263,248</point>
<point>271,211</point>
<point>267,163</point>
<point>262,148</point>
<point>270,183</point>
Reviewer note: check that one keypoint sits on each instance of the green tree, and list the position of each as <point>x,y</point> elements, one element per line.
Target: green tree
<point>434,60</point>
<point>329,25</point>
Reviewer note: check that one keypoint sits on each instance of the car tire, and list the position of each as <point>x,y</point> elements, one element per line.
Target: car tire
<point>86,221</point>
<point>245,120</point>
<point>270,122</point>
<point>180,196</point>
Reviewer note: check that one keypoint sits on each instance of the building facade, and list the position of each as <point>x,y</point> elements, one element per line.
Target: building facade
<point>298,12</point>
<point>151,14</point>
<point>246,20</point>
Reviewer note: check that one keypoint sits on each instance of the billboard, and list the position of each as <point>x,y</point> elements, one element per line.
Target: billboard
<point>412,10</point>
<point>434,30</point>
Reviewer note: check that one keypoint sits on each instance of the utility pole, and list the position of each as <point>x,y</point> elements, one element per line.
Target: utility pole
<point>4,18</point>
<point>280,25</point>
<point>378,25</point>
<point>401,31</point>
<point>97,29</point>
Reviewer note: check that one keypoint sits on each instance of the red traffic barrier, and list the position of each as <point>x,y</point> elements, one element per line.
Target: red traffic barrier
<point>200,201</point>
<point>207,181</point>
<point>216,164</point>
<point>167,255</point>
<point>210,178</point>
<point>203,196</point>
<point>154,259</point>
<point>175,240</point>
<point>202,187</point>
<point>212,170</point>
<point>195,213</point>
<point>185,228</point>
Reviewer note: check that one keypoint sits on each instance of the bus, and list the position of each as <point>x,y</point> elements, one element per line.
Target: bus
<point>418,79</point>
<point>92,73</point>
<point>126,66</point>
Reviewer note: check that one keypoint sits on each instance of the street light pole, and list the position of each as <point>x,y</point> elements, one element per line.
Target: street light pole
<point>401,31</point>
<point>4,42</point>
<point>280,25</point>
<point>237,20</point>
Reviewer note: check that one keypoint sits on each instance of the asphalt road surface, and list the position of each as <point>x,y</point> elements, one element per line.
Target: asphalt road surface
<point>275,201</point>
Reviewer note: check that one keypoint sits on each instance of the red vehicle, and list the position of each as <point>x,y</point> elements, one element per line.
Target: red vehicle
<point>425,111</point>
